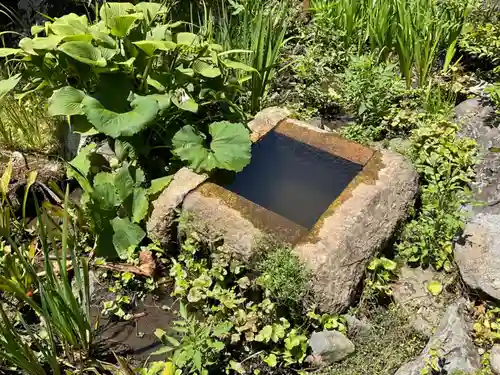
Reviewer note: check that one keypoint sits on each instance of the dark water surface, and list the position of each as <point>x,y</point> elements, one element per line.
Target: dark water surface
<point>292,179</point>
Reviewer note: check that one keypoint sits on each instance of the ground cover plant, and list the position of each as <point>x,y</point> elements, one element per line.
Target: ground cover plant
<point>164,85</point>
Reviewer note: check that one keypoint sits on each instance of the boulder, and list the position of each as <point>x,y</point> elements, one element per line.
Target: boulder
<point>359,328</point>
<point>477,121</point>
<point>495,359</point>
<point>330,346</point>
<point>266,120</point>
<point>451,343</point>
<point>162,218</point>
<point>477,254</point>
<point>411,294</point>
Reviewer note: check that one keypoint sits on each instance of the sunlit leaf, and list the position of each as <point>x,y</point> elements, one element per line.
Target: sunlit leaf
<point>66,101</point>
<point>124,24</point>
<point>159,184</point>
<point>187,39</point>
<point>8,84</point>
<point>82,162</point>
<point>434,287</point>
<point>150,46</point>
<point>84,52</point>
<point>126,234</point>
<point>229,148</point>
<point>144,111</point>
<point>205,69</point>
<point>4,52</point>
<point>140,205</point>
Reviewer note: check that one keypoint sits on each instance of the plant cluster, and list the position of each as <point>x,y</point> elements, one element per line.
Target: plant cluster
<point>445,163</point>
<point>243,325</point>
<point>129,75</point>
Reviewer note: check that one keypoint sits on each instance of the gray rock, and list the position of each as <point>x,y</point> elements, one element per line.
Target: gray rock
<point>477,121</point>
<point>452,342</point>
<point>163,216</point>
<point>495,359</point>
<point>330,346</point>
<point>357,328</point>
<point>266,120</point>
<point>105,150</point>
<point>478,254</point>
<point>316,122</point>
<point>410,292</point>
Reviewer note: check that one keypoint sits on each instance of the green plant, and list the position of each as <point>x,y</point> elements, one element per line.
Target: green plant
<point>487,325</point>
<point>198,347</point>
<point>257,30</point>
<point>26,126</point>
<point>382,273</point>
<point>368,90</point>
<point>445,163</point>
<point>64,309</point>
<point>116,201</point>
<point>130,75</point>
<point>482,41</point>
<point>284,275</point>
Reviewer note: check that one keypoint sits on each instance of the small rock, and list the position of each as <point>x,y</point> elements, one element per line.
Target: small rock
<point>357,328</point>
<point>266,120</point>
<point>331,346</point>
<point>452,342</point>
<point>478,254</point>
<point>316,122</point>
<point>410,292</point>
<point>105,150</point>
<point>495,359</point>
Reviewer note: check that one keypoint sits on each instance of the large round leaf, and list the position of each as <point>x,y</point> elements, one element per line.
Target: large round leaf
<point>124,24</point>
<point>150,46</point>
<point>109,11</point>
<point>126,234</point>
<point>83,52</point>
<point>8,84</point>
<point>151,10</point>
<point>206,69</point>
<point>66,101</point>
<point>120,124</point>
<point>229,149</point>
<point>40,44</point>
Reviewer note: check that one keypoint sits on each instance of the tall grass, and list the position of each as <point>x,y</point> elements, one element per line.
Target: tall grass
<point>257,27</point>
<point>63,308</point>
<point>415,31</point>
<point>25,125</point>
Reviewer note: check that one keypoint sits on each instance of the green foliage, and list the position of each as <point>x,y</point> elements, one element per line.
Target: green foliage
<point>284,275</point>
<point>390,331</point>
<point>382,273</point>
<point>64,309</point>
<point>445,163</point>
<point>368,90</point>
<point>198,347</point>
<point>416,30</point>
<point>487,325</point>
<point>482,41</point>
<point>116,202</point>
<point>233,306</point>
<point>257,30</point>
<point>129,74</point>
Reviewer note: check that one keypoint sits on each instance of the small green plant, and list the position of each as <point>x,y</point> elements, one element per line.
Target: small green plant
<point>284,275</point>
<point>368,91</point>
<point>198,348</point>
<point>382,272</point>
<point>487,325</point>
<point>482,41</point>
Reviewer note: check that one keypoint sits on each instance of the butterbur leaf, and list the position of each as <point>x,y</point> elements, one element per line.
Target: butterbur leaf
<point>126,234</point>
<point>4,52</point>
<point>186,104</point>
<point>83,52</point>
<point>82,162</point>
<point>140,205</point>
<point>110,10</point>
<point>105,192</point>
<point>229,149</point>
<point>79,124</point>
<point>205,69</point>
<point>434,287</point>
<point>66,101</point>
<point>150,46</point>
<point>41,44</point>
<point>124,24</point>
<point>123,182</point>
<point>144,111</point>
<point>187,39</point>
<point>151,10</point>
<point>8,84</point>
